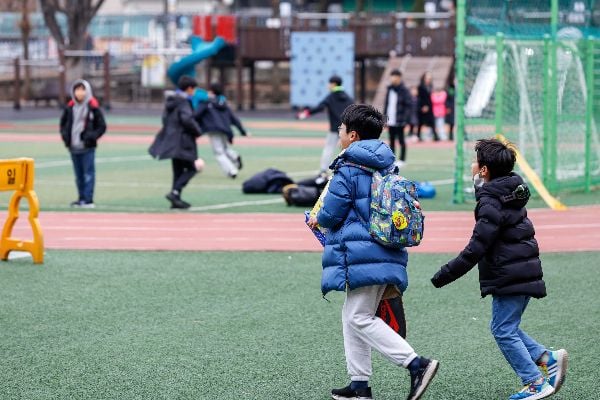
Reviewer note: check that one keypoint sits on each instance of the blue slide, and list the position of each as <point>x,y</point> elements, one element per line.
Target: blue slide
<point>201,50</point>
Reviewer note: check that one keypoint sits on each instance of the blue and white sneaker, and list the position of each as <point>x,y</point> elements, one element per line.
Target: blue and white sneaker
<point>555,370</point>
<point>534,392</point>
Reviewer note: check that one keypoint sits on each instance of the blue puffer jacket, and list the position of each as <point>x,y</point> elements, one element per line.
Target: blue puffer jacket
<point>351,256</point>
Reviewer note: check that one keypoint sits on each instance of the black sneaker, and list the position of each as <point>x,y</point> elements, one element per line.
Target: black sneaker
<point>176,201</point>
<point>76,204</point>
<point>238,162</point>
<point>421,379</point>
<point>347,393</point>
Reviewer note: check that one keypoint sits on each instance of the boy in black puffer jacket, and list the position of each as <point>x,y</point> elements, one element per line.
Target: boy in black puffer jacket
<point>504,246</point>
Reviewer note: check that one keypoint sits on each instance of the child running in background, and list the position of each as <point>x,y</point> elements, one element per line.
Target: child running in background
<point>216,118</point>
<point>335,103</point>
<point>177,140</point>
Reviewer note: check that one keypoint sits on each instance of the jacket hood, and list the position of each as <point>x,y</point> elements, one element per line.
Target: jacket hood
<point>88,90</point>
<point>220,102</point>
<point>175,100</point>
<point>370,153</point>
<point>504,186</point>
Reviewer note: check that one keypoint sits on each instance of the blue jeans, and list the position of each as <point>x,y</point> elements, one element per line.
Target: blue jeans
<point>85,174</point>
<point>520,350</point>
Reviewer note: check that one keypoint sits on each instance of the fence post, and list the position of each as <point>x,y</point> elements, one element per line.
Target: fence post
<point>17,84</point>
<point>106,62</point>
<point>589,111</point>
<point>62,79</point>
<point>499,95</point>
<point>546,112</point>
<point>459,195</point>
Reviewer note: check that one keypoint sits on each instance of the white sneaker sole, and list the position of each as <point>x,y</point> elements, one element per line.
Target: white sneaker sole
<point>561,372</point>
<point>427,377</point>
<point>549,391</point>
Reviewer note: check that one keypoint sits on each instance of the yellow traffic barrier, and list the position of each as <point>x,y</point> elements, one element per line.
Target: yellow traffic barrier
<point>535,180</point>
<point>17,175</point>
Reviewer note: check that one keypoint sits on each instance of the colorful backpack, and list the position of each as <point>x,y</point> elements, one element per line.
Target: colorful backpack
<point>395,218</point>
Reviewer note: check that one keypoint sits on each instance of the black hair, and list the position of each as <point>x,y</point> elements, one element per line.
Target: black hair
<point>396,72</point>
<point>79,85</point>
<point>366,120</point>
<point>499,158</point>
<point>186,82</point>
<point>216,88</point>
<point>336,80</point>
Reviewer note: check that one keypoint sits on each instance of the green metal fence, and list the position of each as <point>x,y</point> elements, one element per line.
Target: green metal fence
<point>530,70</point>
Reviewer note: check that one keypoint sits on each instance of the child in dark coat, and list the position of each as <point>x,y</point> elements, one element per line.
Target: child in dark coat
<point>503,244</point>
<point>177,140</point>
<point>216,118</point>
<point>81,125</point>
<point>353,261</point>
<point>335,103</point>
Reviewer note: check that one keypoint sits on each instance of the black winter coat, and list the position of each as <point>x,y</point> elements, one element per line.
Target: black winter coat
<point>424,100</point>
<point>404,104</point>
<point>335,103</point>
<point>95,125</point>
<point>177,137</point>
<point>503,244</point>
<point>215,116</point>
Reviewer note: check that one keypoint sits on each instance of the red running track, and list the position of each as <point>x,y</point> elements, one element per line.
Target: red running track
<point>577,229</point>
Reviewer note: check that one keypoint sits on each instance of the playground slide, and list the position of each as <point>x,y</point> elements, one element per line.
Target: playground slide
<point>483,88</point>
<point>201,50</point>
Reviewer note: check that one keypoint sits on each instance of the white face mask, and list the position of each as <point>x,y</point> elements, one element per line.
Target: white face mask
<point>478,181</point>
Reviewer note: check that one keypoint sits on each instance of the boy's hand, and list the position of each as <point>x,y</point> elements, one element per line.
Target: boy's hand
<point>439,279</point>
<point>312,222</point>
<point>303,115</point>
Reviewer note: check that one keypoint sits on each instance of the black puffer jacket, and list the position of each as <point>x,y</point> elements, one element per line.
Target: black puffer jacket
<point>503,244</point>
<point>177,138</point>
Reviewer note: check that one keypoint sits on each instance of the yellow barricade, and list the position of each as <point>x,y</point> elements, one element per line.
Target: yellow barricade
<point>17,175</point>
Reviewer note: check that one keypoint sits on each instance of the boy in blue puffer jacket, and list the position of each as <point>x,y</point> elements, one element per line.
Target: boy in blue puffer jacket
<point>354,262</point>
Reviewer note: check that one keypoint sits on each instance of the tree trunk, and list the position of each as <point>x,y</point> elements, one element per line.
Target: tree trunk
<point>25,26</point>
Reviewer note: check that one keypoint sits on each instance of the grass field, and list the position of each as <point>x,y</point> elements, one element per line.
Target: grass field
<point>129,180</point>
<point>122,325</point>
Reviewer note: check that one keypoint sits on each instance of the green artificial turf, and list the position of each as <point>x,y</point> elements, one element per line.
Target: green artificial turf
<point>189,325</point>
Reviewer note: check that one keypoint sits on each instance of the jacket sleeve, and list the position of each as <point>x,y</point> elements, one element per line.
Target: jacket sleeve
<point>236,122</point>
<point>186,117</point>
<point>99,123</point>
<point>63,126</point>
<point>337,202</point>
<point>484,234</point>
<point>406,105</point>
<point>320,107</point>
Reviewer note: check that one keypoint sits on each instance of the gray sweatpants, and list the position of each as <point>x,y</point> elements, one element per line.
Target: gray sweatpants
<point>225,155</point>
<point>331,144</point>
<point>363,331</point>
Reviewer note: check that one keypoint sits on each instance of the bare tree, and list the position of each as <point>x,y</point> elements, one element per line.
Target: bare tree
<point>24,7</point>
<point>79,14</point>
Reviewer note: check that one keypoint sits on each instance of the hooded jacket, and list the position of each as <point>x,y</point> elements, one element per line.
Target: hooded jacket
<point>177,137</point>
<point>215,116</point>
<point>404,103</point>
<point>351,257</point>
<point>335,103</point>
<point>503,244</point>
<point>91,128</point>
